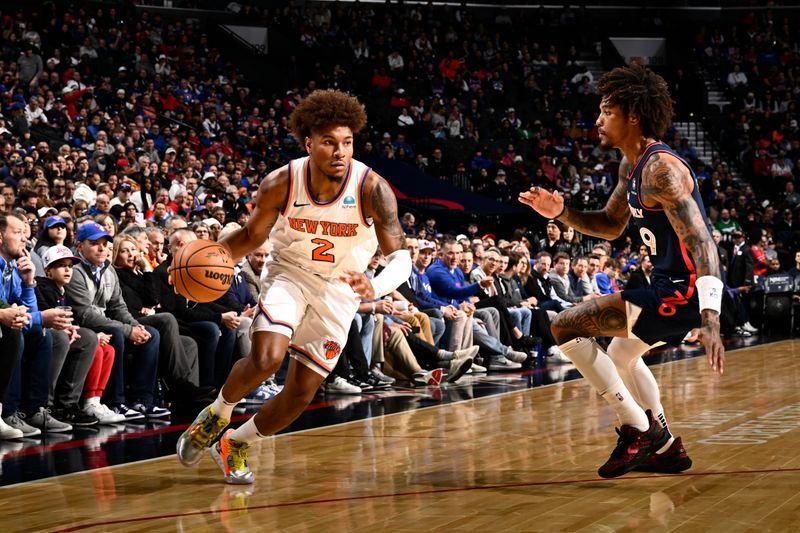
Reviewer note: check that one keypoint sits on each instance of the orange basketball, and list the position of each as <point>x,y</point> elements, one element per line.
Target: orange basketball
<point>202,271</point>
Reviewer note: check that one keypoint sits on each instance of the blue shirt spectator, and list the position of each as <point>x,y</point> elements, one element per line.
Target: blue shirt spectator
<point>449,283</point>
<point>13,290</point>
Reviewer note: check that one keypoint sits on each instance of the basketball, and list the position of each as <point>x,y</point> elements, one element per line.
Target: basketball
<point>202,271</point>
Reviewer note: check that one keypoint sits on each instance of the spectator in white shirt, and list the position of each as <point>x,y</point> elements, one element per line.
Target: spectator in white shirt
<point>737,78</point>
<point>396,62</point>
<point>34,113</point>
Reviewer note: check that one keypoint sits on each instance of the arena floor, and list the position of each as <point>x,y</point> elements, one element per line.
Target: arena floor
<point>503,452</point>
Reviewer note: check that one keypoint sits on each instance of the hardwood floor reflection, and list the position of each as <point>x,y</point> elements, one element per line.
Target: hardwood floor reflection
<point>522,461</point>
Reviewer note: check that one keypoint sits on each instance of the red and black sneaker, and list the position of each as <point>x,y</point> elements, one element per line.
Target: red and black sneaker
<point>672,461</point>
<point>634,447</point>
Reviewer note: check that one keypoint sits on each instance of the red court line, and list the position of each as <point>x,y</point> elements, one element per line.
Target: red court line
<point>415,493</point>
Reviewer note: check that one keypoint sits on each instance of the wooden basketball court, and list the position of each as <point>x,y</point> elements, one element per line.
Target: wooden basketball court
<point>523,461</point>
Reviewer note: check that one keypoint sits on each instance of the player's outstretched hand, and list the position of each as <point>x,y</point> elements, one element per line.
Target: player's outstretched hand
<point>712,342</point>
<point>360,284</point>
<point>546,203</point>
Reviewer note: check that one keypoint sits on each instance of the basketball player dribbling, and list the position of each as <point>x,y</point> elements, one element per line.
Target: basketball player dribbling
<point>324,215</point>
<point>659,190</point>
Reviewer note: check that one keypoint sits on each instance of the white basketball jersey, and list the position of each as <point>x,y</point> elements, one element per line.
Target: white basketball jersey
<point>324,238</point>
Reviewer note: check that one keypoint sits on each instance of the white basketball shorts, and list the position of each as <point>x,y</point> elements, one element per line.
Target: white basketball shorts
<point>313,312</point>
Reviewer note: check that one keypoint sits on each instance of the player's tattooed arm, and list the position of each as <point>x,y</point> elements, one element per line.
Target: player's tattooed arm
<point>609,222</point>
<point>667,182</point>
<point>382,207</point>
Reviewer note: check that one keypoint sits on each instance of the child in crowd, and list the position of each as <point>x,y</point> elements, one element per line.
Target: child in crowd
<point>58,262</point>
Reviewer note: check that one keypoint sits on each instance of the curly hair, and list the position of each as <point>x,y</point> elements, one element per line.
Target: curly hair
<point>327,108</point>
<point>639,91</point>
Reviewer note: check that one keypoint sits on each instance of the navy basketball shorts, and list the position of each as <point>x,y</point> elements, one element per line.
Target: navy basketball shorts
<point>667,315</point>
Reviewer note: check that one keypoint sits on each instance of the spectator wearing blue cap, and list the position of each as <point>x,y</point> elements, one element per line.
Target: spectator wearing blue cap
<point>73,348</point>
<point>25,405</point>
<point>17,123</point>
<point>54,232</point>
<point>96,298</point>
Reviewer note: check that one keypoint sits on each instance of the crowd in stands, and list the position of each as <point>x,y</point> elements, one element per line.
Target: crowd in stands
<point>755,59</point>
<point>121,142</point>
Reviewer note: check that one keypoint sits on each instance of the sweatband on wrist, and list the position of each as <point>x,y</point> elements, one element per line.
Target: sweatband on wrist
<point>709,292</point>
<point>397,270</point>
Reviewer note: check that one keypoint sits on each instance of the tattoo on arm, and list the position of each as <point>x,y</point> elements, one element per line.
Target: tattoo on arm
<point>591,319</point>
<point>610,221</point>
<point>667,182</point>
<point>384,213</point>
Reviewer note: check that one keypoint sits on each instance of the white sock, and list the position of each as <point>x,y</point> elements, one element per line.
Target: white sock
<point>222,407</point>
<point>92,400</point>
<point>247,432</point>
<point>627,357</point>
<point>598,369</point>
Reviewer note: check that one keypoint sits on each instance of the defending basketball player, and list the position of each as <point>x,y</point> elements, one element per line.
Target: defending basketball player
<point>660,191</point>
<point>324,215</point>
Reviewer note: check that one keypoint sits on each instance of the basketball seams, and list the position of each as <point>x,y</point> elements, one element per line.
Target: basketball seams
<point>179,255</point>
<point>189,295</point>
<point>202,282</point>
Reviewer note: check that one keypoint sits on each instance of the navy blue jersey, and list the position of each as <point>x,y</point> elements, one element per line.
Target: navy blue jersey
<point>669,306</point>
<point>669,256</point>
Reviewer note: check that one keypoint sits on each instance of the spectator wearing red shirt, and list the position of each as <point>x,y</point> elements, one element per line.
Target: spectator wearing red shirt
<point>381,81</point>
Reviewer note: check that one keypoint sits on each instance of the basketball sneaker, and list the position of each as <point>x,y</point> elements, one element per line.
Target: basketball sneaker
<point>199,436</point>
<point>476,369</point>
<point>673,460</point>
<point>17,421</point>
<point>461,362</point>
<point>378,372</point>
<point>634,447</point>
<point>231,456</point>
<point>432,378</point>
<point>151,411</point>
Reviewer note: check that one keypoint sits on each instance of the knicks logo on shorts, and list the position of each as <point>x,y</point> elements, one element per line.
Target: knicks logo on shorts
<point>332,349</point>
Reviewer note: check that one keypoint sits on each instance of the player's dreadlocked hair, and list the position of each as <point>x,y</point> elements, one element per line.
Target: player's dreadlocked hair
<point>639,91</point>
<point>323,109</point>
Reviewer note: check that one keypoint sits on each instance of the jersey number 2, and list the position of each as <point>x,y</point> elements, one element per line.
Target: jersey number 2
<point>320,253</point>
